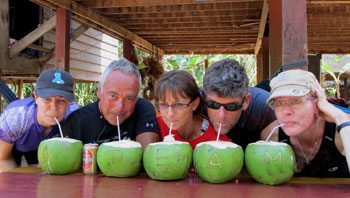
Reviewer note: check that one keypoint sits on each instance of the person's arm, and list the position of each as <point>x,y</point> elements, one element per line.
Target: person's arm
<point>6,160</point>
<point>147,130</point>
<point>146,138</point>
<point>337,116</point>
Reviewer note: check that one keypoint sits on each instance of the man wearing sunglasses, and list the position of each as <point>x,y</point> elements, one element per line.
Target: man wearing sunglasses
<point>241,111</point>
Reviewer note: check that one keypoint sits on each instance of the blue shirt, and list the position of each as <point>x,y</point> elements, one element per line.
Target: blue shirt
<point>19,125</point>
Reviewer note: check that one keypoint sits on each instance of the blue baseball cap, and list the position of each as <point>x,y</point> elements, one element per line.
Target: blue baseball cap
<point>55,82</point>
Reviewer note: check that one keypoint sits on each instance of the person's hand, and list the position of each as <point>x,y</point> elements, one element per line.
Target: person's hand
<point>328,111</point>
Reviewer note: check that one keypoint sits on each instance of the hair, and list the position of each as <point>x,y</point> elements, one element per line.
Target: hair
<point>226,78</point>
<point>178,83</point>
<point>122,65</point>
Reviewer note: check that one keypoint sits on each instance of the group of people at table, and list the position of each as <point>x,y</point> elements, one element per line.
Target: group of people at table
<point>318,132</point>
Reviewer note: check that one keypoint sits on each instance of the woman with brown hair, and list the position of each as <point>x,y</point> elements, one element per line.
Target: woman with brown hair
<point>178,101</point>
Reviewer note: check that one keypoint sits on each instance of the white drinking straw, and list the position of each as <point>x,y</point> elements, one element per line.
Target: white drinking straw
<point>171,127</point>
<point>217,137</point>
<point>273,130</point>
<point>59,126</point>
<point>120,138</point>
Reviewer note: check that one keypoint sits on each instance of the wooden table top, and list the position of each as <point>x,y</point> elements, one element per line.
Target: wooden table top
<point>31,182</point>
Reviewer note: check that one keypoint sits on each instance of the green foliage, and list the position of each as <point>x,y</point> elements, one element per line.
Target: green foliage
<point>85,93</point>
<point>326,67</point>
<point>195,64</point>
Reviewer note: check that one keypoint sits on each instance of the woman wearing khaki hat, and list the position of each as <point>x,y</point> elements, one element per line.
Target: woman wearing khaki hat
<point>318,132</point>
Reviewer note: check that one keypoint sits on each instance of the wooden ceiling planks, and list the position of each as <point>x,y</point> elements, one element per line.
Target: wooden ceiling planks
<point>210,26</point>
<point>188,26</point>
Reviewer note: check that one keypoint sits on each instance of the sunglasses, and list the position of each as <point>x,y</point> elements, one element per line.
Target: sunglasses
<point>229,107</point>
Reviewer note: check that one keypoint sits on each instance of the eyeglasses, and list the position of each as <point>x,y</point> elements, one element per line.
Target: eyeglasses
<point>229,106</point>
<point>294,103</point>
<point>176,106</point>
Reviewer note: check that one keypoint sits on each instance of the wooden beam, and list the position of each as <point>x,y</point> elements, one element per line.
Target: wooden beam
<point>259,68</point>
<point>62,39</point>
<point>222,6</point>
<point>133,3</point>
<point>20,89</point>
<point>39,48</point>
<point>20,45</point>
<point>239,15</point>
<point>77,32</point>
<point>128,51</point>
<point>19,64</point>
<point>22,64</point>
<point>328,2</point>
<point>4,31</point>
<point>95,20</point>
<point>287,32</point>
<point>265,57</point>
<point>262,26</point>
<point>315,65</point>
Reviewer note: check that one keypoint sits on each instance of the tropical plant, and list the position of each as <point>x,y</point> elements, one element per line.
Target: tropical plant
<point>195,64</point>
<point>85,93</point>
<point>336,77</point>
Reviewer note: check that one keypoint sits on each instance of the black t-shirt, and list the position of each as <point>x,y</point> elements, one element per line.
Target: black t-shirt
<point>328,162</point>
<point>88,125</point>
<point>253,120</point>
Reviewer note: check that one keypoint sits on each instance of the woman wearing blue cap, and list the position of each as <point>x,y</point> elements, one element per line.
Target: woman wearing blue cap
<point>25,123</point>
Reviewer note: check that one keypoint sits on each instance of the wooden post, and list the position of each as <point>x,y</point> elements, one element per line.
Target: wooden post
<point>265,57</point>
<point>259,67</point>
<point>62,39</point>
<point>206,64</point>
<point>315,65</point>
<point>263,61</point>
<point>128,51</point>
<point>347,89</point>
<point>4,32</point>
<point>20,89</point>
<point>287,32</point>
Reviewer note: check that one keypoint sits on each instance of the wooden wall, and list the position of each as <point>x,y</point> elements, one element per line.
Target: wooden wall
<point>90,53</point>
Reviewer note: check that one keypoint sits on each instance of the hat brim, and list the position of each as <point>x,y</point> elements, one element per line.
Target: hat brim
<point>49,92</point>
<point>288,90</point>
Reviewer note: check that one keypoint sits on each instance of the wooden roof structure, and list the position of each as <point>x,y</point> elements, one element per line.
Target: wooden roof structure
<point>198,26</point>
<point>206,26</point>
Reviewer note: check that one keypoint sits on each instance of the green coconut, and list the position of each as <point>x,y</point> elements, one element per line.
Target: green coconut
<point>60,155</point>
<point>218,161</point>
<point>269,162</point>
<point>167,160</point>
<point>120,158</point>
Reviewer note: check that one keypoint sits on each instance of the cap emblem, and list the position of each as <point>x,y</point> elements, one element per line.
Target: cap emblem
<point>296,91</point>
<point>58,78</point>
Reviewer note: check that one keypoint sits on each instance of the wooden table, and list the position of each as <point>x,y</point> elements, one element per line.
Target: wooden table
<point>30,182</point>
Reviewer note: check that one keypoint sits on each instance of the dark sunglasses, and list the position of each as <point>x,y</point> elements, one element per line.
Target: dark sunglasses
<point>229,107</point>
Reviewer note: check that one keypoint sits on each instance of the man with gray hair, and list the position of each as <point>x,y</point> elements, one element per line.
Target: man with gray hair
<point>118,103</point>
<point>235,109</point>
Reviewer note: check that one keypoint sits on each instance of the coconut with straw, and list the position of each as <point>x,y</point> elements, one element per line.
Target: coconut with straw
<point>270,162</point>
<point>168,160</point>
<point>120,158</point>
<point>60,155</point>
<point>218,161</point>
